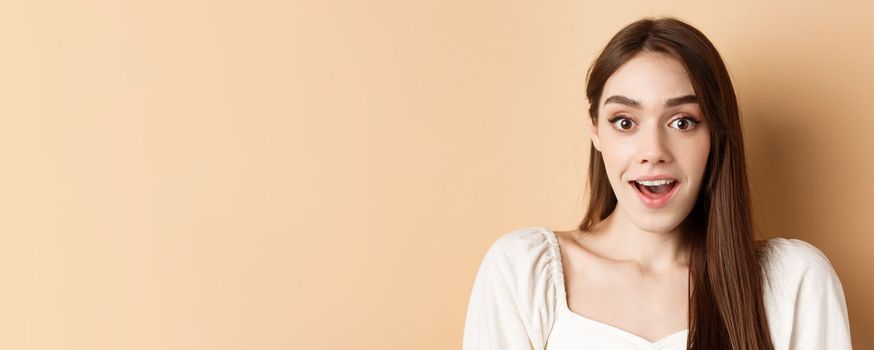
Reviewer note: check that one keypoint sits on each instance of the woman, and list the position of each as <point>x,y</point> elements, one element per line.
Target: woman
<point>665,257</point>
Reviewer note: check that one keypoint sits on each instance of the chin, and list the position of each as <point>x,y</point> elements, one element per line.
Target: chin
<point>658,226</point>
<point>659,222</point>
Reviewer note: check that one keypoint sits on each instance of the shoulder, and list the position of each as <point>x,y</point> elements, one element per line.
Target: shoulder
<point>804,297</point>
<point>526,240</point>
<point>791,254</point>
<point>790,263</point>
<point>525,257</point>
<point>513,301</point>
<point>523,247</point>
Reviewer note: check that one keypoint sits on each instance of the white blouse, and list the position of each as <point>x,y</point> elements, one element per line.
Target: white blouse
<point>518,301</point>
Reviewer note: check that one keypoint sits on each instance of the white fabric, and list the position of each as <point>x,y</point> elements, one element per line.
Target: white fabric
<point>518,301</point>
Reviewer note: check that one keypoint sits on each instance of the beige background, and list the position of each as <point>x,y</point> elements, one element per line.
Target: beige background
<point>329,174</point>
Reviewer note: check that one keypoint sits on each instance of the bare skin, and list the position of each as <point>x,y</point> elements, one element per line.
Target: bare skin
<point>621,293</point>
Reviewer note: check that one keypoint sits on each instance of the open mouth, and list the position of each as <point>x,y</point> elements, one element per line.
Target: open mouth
<point>655,194</point>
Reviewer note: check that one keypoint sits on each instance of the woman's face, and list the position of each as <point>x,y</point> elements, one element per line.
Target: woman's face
<point>650,127</point>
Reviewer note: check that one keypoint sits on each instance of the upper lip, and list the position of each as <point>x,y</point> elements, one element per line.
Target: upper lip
<point>655,177</point>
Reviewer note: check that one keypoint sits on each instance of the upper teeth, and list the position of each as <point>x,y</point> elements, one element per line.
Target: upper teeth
<point>655,182</point>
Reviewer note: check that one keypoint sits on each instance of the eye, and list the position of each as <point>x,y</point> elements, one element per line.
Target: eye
<point>622,123</point>
<point>684,123</point>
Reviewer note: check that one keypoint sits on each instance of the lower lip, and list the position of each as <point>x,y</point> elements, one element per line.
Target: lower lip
<point>656,201</point>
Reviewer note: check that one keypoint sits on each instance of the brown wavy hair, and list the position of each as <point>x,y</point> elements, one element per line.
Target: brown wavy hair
<point>726,307</point>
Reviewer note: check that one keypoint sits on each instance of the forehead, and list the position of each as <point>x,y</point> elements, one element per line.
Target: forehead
<point>649,77</point>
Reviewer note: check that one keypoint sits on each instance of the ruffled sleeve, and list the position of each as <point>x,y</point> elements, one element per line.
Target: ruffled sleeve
<point>804,299</point>
<point>513,301</point>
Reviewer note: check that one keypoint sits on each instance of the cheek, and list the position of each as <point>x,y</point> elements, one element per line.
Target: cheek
<point>617,158</point>
<point>697,150</point>
<point>617,148</point>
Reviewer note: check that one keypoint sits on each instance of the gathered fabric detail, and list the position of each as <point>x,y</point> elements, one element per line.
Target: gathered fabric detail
<point>556,268</point>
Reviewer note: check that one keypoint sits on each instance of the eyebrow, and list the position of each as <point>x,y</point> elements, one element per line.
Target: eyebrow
<point>671,102</point>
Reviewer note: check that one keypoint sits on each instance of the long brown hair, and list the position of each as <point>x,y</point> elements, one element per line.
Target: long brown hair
<point>726,308</point>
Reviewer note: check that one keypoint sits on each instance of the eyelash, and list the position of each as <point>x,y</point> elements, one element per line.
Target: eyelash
<point>695,122</point>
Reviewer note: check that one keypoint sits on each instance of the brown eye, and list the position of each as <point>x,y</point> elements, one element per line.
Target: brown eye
<point>684,123</point>
<point>621,123</point>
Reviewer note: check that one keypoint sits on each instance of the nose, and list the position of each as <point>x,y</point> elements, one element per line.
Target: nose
<point>653,147</point>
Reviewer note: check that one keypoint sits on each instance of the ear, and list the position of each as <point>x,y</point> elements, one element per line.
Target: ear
<point>593,133</point>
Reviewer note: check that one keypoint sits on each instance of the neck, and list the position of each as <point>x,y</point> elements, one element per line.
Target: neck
<point>654,252</point>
